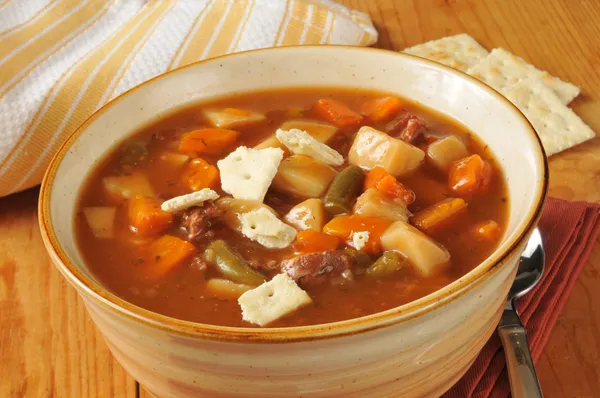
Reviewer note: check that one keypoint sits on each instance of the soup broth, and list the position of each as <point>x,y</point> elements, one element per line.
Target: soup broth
<point>404,228</point>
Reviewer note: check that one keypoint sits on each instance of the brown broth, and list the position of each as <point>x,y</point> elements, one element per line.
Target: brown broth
<point>181,294</point>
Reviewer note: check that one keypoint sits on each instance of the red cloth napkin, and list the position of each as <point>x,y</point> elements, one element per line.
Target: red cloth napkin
<point>569,231</point>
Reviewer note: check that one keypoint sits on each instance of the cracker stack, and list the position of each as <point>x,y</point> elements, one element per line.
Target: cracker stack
<point>543,98</point>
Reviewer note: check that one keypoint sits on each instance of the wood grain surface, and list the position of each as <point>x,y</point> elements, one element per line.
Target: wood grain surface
<point>50,348</point>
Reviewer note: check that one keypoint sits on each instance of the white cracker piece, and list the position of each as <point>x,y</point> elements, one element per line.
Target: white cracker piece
<point>272,300</point>
<point>302,143</point>
<point>247,173</point>
<point>557,125</point>
<point>180,203</point>
<point>459,52</point>
<point>264,227</point>
<point>501,69</point>
<point>360,239</point>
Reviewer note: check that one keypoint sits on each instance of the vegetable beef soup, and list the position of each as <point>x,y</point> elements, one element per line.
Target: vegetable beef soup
<point>291,207</point>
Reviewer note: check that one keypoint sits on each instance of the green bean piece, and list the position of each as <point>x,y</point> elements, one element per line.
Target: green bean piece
<point>230,265</point>
<point>133,152</point>
<point>387,264</point>
<point>361,259</point>
<point>343,191</point>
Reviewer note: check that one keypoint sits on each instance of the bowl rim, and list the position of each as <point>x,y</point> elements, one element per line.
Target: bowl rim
<point>352,326</point>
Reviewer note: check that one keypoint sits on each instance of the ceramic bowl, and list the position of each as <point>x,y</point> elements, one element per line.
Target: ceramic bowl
<point>417,350</point>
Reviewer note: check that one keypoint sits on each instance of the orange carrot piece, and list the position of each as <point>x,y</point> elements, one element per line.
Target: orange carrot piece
<point>146,216</point>
<point>438,215</point>
<point>382,109</point>
<point>488,231</point>
<point>311,241</point>
<point>211,141</point>
<point>470,175</point>
<point>388,184</point>
<point>344,227</point>
<point>200,174</point>
<point>164,254</point>
<point>337,113</point>
<point>374,176</point>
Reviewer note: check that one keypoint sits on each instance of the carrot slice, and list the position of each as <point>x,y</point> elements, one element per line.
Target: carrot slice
<point>310,241</point>
<point>439,215</point>
<point>470,175</point>
<point>382,109</point>
<point>208,141</point>
<point>164,254</point>
<point>200,174</point>
<point>337,113</point>
<point>146,216</point>
<point>488,231</point>
<point>345,226</point>
<point>380,179</point>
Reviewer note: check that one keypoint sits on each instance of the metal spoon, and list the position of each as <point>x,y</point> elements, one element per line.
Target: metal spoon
<point>521,372</point>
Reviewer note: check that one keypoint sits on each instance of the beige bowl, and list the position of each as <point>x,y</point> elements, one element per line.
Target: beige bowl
<point>416,350</point>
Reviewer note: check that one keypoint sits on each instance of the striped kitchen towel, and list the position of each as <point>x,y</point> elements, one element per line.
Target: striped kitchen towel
<point>60,60</point>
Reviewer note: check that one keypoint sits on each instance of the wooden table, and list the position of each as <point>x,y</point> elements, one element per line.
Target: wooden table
<point>49,346</point>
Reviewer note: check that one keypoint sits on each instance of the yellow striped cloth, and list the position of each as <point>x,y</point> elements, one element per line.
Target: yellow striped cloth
<point>60,60</point>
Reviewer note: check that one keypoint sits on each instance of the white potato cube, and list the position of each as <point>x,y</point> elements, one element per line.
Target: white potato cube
<point>372,148</point>
<point>425,255</point>
<point>171,159</point>
<point>303,176</point>
<point>446,151</point>
<point>374,203</point>
<point>127,186</point>
<point>309,214</point>
<point>273,142</point>
<point>101,220</point>
<point>301,143</point>
<point>226,289</point>
<point>272,300</point>
<point>231,117</point>
<point>319,131</point>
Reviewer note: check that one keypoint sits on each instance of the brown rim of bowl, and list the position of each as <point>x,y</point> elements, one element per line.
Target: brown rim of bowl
<point>291,334</point>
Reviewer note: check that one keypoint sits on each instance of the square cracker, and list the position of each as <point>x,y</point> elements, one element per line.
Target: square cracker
<point>501,69</point>
<point>557,125</point>
<point>459,52</point>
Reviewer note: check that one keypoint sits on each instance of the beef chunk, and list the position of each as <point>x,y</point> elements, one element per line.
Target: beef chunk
<point>198,221</point>
<point>407,127</point>
<point>315,268</point>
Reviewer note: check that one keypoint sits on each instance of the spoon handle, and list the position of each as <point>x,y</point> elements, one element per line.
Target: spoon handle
<point>521,372</point>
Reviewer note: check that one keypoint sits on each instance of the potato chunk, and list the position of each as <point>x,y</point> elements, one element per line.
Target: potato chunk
<point>101,220</point>
<point>232,208</point>
<point>273,142</point>
<point>374,203</point>
<point>226,289</point>
<point>372,148</point>
<point>127,186</point>
<point>303,176</point>
<point>319,131</point>
<point>232,117</point>
<point>446,151</point>
<point>307,215</point>
<point>426,256</point>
